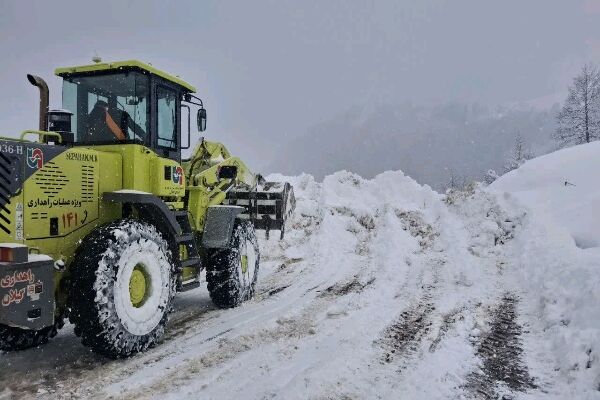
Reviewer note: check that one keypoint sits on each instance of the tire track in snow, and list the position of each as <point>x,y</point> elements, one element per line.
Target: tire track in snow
<point>502,373</point>
<point>420,329</point>
<point>448,320</point>
<point>343,288</point>
<point>64,362</point>
<point>501,353</point>
<point>403,338</point>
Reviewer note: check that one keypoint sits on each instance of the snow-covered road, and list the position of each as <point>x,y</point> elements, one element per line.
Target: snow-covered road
<point>382,289</point>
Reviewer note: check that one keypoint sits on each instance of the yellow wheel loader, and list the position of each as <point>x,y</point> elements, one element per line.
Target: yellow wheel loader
<point>102,221</point>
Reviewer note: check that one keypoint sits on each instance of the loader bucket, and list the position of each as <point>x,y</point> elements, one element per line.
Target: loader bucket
<point>268,206</point>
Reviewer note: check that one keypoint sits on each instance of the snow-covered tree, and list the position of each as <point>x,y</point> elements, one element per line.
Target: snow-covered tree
<point>518,155</point>
<point>490,176</point>
<point>579,119</point>
<point>455,181</point>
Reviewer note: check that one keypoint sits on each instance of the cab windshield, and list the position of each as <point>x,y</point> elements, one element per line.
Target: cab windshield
<point>108,108</point>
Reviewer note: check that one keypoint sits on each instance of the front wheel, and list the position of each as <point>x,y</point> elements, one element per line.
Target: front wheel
<point>231,273</point>
<point>123,284</point>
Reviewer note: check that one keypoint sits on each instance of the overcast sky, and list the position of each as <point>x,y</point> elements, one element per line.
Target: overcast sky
<point>269,70</point>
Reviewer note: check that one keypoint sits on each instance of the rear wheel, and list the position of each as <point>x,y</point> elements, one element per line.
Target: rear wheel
<point>123,285</point>
<point>231,273</point>
<point>12,338</point>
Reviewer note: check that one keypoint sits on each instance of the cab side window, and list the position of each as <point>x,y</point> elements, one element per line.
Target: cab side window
<point>167,120</point>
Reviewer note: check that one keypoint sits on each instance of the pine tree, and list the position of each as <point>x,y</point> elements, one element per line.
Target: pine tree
<point>519,154</point>
<point>455,182</point>
<point>579,119</point>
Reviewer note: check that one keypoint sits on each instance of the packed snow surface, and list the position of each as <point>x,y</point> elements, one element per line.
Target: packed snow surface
<point>381,289</point>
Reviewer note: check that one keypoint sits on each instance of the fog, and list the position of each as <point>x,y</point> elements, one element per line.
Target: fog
<point>272,72</point>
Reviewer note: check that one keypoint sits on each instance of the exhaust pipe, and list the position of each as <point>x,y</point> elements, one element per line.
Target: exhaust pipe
<point>44,99</point>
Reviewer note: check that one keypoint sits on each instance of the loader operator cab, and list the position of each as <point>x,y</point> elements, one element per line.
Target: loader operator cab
<point>130,102</point>
<point>101,126</point>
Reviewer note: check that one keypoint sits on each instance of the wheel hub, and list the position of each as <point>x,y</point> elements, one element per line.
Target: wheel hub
<point>244,263</point>
<point>138,286</point>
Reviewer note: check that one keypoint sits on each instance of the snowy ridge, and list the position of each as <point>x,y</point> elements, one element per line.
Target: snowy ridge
<point>382,288</point>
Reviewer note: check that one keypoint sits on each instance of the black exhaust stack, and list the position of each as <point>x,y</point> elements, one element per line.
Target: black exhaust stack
<point>44,99</point>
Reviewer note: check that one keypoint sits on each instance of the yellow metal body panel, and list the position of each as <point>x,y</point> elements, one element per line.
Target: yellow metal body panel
<point>168,179</point>
<point>144,170</point>
<point>61,200</point>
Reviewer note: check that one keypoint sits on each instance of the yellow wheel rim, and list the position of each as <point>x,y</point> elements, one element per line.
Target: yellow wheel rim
<point>138,286</point>
<point>244,264</point>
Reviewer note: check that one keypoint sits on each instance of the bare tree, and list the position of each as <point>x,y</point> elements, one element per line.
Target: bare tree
<point>579,119</point>
<point>518,155</point>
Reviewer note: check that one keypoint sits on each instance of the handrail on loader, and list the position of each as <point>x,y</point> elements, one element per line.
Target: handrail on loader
<point>41,134</point>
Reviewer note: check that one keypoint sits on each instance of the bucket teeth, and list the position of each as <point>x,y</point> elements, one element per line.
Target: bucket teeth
<point>268,206</point>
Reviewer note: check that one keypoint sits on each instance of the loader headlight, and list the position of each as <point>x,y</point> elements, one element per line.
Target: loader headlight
<point>59,265</point>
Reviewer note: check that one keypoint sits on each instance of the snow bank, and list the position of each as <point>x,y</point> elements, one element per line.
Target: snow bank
<point>391,253</point>
<point>558,259</point>
<point>563,186</point>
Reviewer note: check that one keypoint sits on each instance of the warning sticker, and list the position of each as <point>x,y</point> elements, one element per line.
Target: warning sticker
<point>19,221</point>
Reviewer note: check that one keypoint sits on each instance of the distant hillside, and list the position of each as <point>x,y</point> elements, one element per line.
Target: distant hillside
<point>425,142</point>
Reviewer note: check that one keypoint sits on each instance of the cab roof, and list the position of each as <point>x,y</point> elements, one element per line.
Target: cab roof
<point>121,65</point>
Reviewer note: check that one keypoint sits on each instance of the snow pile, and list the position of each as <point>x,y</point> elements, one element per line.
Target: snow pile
<point>409,278</point>
<point>563,186</point>
<point>558,259</point>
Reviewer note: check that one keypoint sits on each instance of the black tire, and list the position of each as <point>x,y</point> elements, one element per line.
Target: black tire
<point>102,308</point>
<point>12,339</point>
<point>228,284</point>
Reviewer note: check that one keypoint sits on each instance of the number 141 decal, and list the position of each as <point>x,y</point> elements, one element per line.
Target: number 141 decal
<point>72,219</point>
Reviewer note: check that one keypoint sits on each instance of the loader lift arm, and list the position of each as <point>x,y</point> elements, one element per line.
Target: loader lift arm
<point>224,179</point>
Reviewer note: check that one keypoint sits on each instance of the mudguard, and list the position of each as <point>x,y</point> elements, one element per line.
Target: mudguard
<point>149,205</point>
<point>218,226</point>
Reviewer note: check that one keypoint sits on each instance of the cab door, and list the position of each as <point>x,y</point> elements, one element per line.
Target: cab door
<point>167,108</point>
<point>167,173</point>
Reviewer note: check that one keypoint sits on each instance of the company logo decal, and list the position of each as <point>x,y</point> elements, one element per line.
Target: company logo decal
<point>35,158</point>
<point>178,175</point>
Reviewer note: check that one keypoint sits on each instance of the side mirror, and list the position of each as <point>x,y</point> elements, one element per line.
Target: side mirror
<point>201,120</point>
